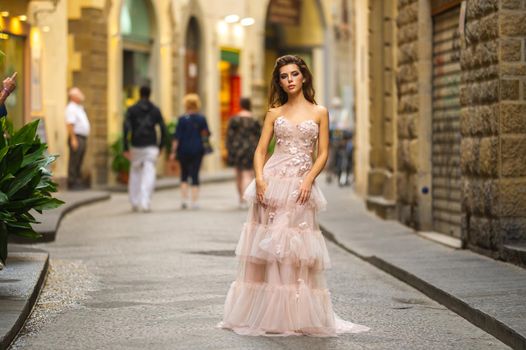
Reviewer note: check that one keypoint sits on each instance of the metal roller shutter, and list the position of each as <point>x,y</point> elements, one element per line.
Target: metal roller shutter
<point>445,123</point>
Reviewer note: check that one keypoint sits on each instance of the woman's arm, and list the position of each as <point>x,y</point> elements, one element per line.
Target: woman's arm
<point>321,159</point>
<point>175,138</point>
<point>261,152</point>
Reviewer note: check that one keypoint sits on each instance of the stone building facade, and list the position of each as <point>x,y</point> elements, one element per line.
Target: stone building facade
<point>110,48</point>
<point>381,184</point>
<point>459,130</point>
<point>493,128</point>
<point>87,35</point>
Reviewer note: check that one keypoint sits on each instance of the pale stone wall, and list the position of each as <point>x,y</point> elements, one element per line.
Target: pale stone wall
<point>361,139</point>
<point>53,81</point>
<point>381,190</point>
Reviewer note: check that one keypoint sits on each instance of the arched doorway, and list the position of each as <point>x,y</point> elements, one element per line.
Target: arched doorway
<point>192,56</point>
<point>296,27</point>
<point>136,27</point>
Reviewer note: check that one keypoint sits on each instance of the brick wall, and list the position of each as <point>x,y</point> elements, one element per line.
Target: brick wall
<point>407,84</point>
<point>90,40</point>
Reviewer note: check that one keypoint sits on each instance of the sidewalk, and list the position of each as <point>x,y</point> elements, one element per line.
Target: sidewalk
<point>23,277</point>
<point>25,272</point>
<point>488,293</point>
<point>20,283</point>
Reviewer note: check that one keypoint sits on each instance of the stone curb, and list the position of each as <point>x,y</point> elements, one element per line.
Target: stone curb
<point>480,319</point>
<point>171,183</point>
<point>28,303</point>
<point>50,221</point>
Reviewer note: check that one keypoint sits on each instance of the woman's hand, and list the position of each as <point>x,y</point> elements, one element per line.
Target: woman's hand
<point>9,83</point>
<point>261,187</point>
<point>304,191</point>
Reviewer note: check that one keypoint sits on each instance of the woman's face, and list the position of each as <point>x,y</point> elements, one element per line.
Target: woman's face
<point>290,78</point>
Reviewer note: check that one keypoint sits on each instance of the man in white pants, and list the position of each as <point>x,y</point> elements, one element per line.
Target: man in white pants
<point>141,121</point>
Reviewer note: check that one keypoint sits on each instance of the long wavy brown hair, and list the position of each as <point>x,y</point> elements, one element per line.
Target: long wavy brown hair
<point>277,96</point>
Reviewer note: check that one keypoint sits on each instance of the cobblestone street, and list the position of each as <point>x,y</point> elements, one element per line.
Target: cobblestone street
<point>122,280</point>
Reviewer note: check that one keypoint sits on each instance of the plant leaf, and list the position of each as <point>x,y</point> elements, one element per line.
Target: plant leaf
<point>13,226</point>
<point>23,178</point>
<point>14,159</point>
<point>3,152</point>
<point>3,197</point>
<point>26,134</point>
<point>34,156</point>
<point>51,203</point>
<point>15,206</point>
<point>27,233</point>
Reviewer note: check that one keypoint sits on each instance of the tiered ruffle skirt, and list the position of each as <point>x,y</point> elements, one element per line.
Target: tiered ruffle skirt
<point>280,288</point>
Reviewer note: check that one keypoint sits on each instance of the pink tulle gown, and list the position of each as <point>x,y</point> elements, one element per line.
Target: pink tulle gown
<point>280,288</point>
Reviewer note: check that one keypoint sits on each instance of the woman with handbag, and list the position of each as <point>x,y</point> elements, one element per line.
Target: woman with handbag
<point>190,143</point>
<point>242,138</point>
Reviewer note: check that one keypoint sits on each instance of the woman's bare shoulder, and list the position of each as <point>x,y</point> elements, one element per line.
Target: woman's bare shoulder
<point>273,113</point>
<point>319,112</point>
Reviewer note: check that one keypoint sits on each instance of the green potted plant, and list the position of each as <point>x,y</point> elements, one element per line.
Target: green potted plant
<point>25,182</point>
<point>120,164</point>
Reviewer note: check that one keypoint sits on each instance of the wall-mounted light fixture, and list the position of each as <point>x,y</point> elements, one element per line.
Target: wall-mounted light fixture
<point>232,19</point>
<point>247,21</point>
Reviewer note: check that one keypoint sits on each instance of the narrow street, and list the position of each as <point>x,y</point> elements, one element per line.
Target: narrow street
<point>123,280</point>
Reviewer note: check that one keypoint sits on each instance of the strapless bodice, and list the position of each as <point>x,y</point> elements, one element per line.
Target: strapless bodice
<point>294,148</point>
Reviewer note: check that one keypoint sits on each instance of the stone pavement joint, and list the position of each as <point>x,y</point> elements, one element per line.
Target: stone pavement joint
<point>488,293</point>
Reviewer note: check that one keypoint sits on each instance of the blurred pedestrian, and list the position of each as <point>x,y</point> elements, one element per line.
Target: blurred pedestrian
<point>78,127</point>
<point>8,86</point>
<point>141,121</point>
<point>187,146</point>
<point>341,128</point>
<point>242,138</point>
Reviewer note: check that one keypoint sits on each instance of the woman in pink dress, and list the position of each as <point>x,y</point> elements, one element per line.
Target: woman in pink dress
<point>280,288</point>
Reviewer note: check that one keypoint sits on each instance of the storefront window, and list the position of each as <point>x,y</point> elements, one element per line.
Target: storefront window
<point>230,92</point>
<point>137,44</point>
<point>12,60</point>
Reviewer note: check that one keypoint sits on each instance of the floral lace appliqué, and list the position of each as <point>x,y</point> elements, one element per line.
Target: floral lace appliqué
<point>295,144</point>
